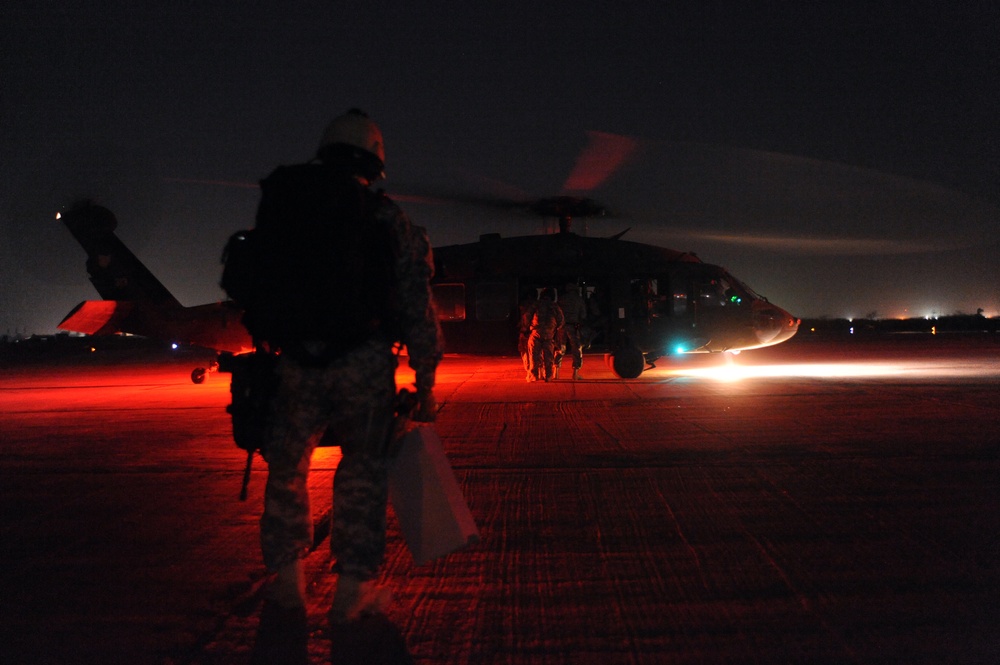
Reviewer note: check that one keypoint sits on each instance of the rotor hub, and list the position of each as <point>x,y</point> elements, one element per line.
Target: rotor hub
<point>568,206</point>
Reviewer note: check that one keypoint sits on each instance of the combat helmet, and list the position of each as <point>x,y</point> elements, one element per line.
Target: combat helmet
<point>354,141</point>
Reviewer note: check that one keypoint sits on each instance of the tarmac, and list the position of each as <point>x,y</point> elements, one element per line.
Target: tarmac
<point>830,500</point>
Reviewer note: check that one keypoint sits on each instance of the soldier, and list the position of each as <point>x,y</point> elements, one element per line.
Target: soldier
<point>348,394</point>
<point>546,322</point>
<point>575,311</point>
<point>525,309</point>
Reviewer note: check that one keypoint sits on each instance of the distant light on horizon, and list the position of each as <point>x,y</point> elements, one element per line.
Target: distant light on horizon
<point>926,312</point>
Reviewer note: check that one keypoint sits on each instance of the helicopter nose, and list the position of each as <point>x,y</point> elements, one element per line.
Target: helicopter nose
<point>772,325</point>
<point>789,327</point>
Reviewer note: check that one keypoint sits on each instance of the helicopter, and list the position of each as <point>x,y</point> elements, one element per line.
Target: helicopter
<point>652,301</point>
<point>656,301</point>
<point>646,302</point>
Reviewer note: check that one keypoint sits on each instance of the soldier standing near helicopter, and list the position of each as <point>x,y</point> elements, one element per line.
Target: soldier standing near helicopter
<point>336,373</point>
<point>525,309</point>
<point>546,322</point>
<point>575,312</point>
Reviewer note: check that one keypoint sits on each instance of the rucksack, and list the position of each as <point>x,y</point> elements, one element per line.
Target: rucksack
<point>317,266</point>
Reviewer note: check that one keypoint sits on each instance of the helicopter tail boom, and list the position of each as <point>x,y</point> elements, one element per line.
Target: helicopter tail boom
<point>134,300</point>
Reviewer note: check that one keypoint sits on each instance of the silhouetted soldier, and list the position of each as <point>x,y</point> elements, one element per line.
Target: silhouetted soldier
<point>546,321</point>
<point>525,310</point>
<point>575,312</point>
<point>343,386</point>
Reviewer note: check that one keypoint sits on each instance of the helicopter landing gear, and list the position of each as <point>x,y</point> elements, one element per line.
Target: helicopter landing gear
<point>198,374</point>
<point>627,362</point>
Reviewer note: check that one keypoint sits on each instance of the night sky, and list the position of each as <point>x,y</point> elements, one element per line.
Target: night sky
<point>843,160</point>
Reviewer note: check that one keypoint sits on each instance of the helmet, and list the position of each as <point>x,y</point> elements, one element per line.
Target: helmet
<point>354,131</point>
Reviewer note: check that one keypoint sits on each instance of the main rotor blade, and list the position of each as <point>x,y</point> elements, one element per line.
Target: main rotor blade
<point>845,245</point>
<point>792,204</point>
<point>604,154</point>
<point>214,183</point>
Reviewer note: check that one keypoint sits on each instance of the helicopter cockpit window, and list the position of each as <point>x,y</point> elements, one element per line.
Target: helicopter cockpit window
<point>449,301</point>
<point>717,291</point>
<point>493,301</point>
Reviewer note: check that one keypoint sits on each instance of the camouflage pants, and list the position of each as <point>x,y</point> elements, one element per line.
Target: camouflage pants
<point>522,348</point>
<point>541,352</point>
<point>574,347</point>
<point>352,402</point>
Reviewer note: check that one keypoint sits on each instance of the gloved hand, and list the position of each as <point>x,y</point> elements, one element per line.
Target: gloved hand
<point>426,409</point>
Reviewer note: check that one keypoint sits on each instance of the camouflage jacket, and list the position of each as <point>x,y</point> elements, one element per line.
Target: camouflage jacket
<point>546,318</point>
<point>573,307</point>
<point>414,307</point>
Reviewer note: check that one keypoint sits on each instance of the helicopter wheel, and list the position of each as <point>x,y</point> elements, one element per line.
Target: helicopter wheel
<point>628,362</point>
<point>198,374</point>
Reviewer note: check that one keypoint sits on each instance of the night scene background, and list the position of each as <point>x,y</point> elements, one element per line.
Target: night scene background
<point>841,158</point>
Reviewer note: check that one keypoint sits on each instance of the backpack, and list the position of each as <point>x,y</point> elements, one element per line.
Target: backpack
<point>317,266</point>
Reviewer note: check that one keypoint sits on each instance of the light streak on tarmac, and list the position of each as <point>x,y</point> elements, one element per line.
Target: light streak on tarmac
<point>732,371</point>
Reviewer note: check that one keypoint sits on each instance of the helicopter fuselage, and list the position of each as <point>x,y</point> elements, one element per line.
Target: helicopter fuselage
<point>645,301</point>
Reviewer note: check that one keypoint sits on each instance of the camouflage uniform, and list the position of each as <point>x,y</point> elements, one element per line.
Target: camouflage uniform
<point>352,397</point>
<point>546,320</point>
<point>575,311</point>
<point>525,311</point>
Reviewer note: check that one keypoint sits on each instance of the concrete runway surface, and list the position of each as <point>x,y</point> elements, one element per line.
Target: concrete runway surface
<point>830,500</point>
